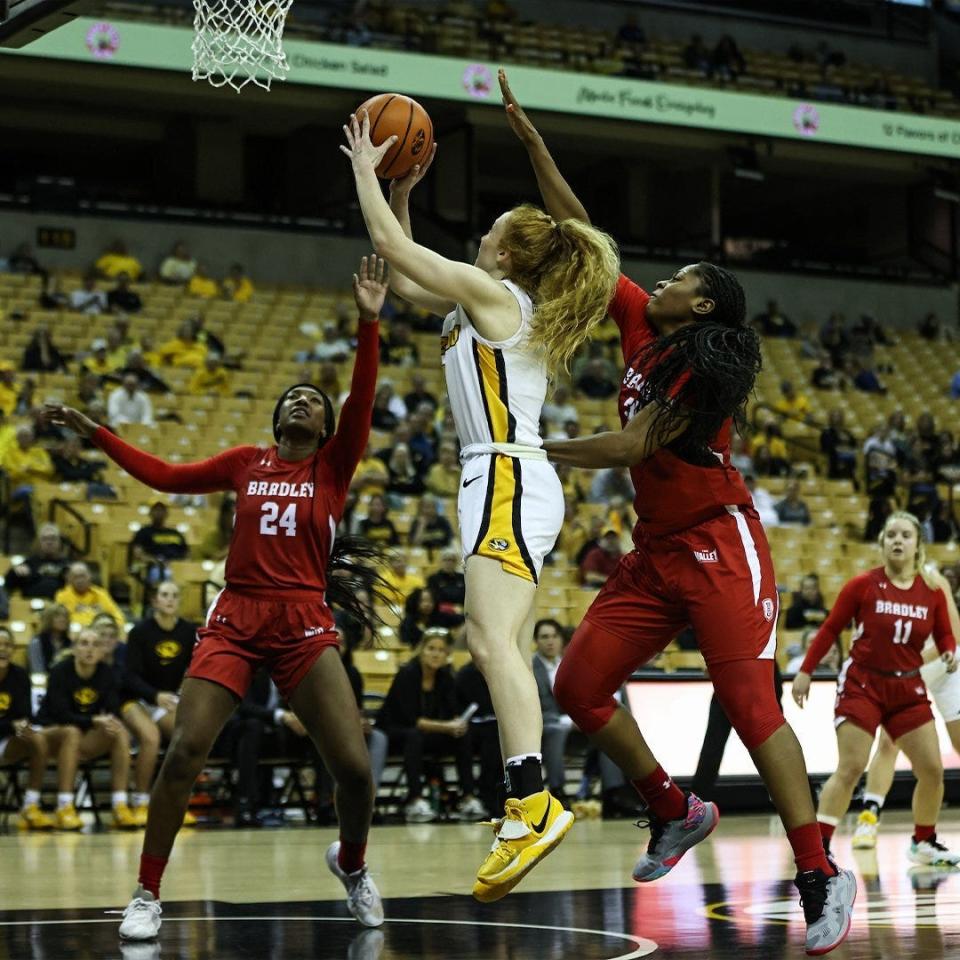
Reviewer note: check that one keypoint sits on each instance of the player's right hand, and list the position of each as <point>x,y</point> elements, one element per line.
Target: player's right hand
<point>516,116</point>
<point>63,416</point>
<point>801,688</point>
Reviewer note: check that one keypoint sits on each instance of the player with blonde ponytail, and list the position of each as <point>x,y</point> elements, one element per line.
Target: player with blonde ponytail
<point>517,315</point>
<point>894,609</point>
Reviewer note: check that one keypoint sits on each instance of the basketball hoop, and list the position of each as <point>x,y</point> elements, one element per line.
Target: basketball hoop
<point>238,42</point>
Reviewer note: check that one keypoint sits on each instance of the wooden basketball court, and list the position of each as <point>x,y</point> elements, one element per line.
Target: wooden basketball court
<point>266,894</point>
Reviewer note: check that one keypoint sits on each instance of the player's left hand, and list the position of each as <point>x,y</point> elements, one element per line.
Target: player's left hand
<point>370,287</point>
<point>950,660</point>
<point>359,147</point>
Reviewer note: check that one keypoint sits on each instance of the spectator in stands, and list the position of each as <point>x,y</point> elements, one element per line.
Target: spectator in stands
<point>146,378</point>
<point>791,404</point>
<point>774,323</point>
<point>405,479</point>
<point>155,544</point>
<point>215,544</point>
<point>792,508</point>
<point>878,509</point>
<point>600,561</point>
<point>610,483</point>
<point>129,404</point>
<point>882,439</point>
<point>42,572</point>
<point>430,529</point>
<point>73,467</point>
<point>53,640</point>
<point>82,727</point>
<point>333,347</point>
<point>443,478</point>
<point>201,284</point>
<point>926,447</point>
<point>929,327</point>
<point>388,408</point>
<point>212,379</point>
<point>207,338</point>
<point>866,334</point>
<point>941,526</point>
<point>596,381</point>
<point>828,666</point>
<point>770,455</point>
<point>25,463</point>
<point>121,299</point>
<point>397,347</point>
<point>88,299</point>
<point>41,354</point>
<point>9,388</point>
<point>184,350</point>
<point>835,339</point>
<point>762,501</point>
<point>423,438</point>
<point>377,525</point>
<point>948,467</point>
<point>449,588</point>
<point>371,475</point>
<point>236,285</point>
<point>97,361</point>
<point>84,599</point>
<point>400,579</point>
<point>328,380</point>
<point>558,409</point>
<point>727,61</point>
<point>419,394</point>
<point>22,260</point>
<point>840,446</point>
<point>807,608</point>
<point>863,377</point>
<point>696,55</point>
<point>117,260</point>
<point>420,716</point>
<point>419,615</point>
<point>484,734</point>
<point>52,296</point>
<point>825,376</point>
<point>18,740</point>
<point>178,266</point>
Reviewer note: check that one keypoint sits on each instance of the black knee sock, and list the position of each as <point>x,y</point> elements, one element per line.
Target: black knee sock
<point>524,776</point>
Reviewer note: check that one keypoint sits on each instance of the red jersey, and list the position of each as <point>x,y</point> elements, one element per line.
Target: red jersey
<point>671,493</point>
<point>890,625</point>
<point>287,511</point>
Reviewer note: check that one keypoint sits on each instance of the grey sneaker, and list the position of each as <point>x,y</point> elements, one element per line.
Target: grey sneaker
<point>827,906</point>
<point>141,918</point>
<point>363,897</point>
<point>671,839</point>
<point>932,853</point>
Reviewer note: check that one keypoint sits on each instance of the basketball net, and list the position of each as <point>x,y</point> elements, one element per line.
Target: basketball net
<point>238,42</point>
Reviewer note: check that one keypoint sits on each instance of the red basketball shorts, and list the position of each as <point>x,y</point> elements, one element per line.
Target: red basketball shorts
<point>243,634</point>
<point>869,700</point>
<point>718,577</point>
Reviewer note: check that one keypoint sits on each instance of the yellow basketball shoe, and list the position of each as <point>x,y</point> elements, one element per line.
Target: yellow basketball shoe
<point>123,818</point>
<point>33,818</point>
<point>67,818</point>
<point>140,813</point>
<point>530,829</point>
<point>865,836</point>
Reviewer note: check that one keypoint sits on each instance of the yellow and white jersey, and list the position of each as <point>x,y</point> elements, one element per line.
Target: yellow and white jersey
<point>496,388</point>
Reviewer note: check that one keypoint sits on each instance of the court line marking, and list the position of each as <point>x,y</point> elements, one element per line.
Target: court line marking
<point>643,947</point>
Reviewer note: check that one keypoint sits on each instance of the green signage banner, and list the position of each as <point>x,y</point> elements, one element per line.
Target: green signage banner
<point>124,44</point>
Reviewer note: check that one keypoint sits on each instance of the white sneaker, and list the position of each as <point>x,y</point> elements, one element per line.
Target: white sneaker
<point>419,811</point>
<point>471,809</point>
<point>932,853</point>
<point>141,919</point>
<point>865,836</point>
<point>363,897</point>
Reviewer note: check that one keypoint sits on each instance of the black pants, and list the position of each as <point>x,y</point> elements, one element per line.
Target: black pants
<point>415,745</point>
<point>715,742</point>
<point>485,739</point>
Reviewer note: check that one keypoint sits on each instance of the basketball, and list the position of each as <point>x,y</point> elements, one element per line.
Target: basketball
<point>394,114</point>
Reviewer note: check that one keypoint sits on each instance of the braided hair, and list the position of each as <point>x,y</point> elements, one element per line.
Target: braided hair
<point>702,374</point>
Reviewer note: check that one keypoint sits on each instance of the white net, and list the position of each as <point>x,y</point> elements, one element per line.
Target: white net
<point>238,42</point>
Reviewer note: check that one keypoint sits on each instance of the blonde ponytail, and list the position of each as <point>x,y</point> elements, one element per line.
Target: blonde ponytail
<point>570,270</point>
<point>928,572</point>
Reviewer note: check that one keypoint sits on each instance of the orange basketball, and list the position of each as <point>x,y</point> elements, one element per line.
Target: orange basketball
<point>394,114</point>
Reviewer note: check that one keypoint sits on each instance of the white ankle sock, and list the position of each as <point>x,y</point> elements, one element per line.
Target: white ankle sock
<point>64,800</point>
<point>141,799</point>
<point>118,797</point>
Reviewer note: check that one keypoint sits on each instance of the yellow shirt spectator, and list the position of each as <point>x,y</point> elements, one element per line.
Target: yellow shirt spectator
<point>236,286</point>
<point>790,403</point>
<point>206,382</point>
<point>25,462</point>
<point>85,606</point>
<point>8,388</point>
<point>112,263</point>
<point>371,475</point>
<point>401,583</point>
<point>202,286</point>
<point>183,351</point>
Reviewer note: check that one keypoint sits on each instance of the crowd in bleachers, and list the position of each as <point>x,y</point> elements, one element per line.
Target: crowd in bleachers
<point>825,459</point>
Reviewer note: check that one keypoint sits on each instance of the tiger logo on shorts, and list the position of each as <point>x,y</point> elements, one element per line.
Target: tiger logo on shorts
<point>167,650</point>
<point>499,544</point>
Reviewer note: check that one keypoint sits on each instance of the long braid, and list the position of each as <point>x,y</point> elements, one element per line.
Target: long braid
<point>702,374</point>
<point>354,566</point>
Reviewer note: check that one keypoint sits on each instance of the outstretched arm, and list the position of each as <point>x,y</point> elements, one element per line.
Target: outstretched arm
<point>207,476</point>
<point>558,197</point>
<point>639,439</point>
<point>446,279</point>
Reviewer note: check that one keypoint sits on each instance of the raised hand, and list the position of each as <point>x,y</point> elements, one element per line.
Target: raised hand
<point>370,287</point>
<point>359,148</point>
<point>416,173</point>
<point>516,116</point>
<point>63,416</point>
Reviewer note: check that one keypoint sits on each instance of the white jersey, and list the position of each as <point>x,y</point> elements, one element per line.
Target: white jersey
<point>496,388</point>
